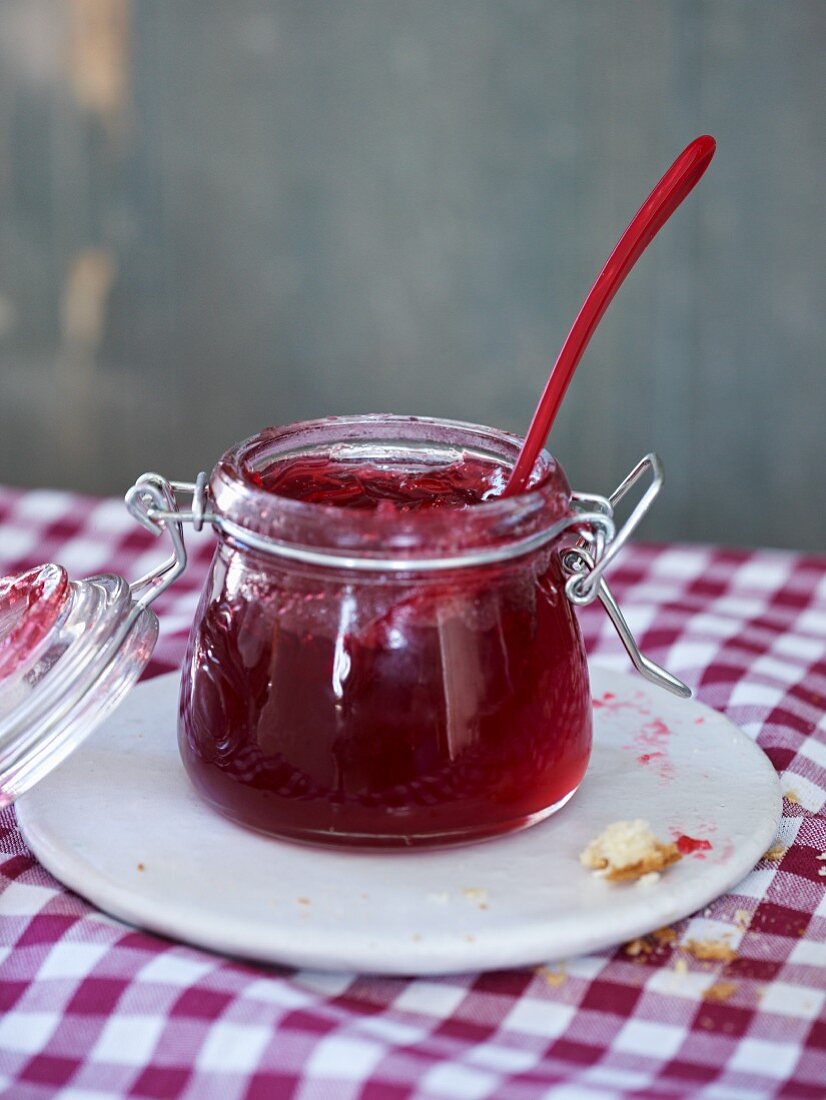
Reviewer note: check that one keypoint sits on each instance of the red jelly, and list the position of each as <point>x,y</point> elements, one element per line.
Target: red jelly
<point>384,654</point>
<point>687,845</point>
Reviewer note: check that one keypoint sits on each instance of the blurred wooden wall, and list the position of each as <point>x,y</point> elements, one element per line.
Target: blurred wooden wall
<point>215,216</point>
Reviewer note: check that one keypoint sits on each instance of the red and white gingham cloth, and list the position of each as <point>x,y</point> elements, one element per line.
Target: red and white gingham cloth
<point>92,1008</point>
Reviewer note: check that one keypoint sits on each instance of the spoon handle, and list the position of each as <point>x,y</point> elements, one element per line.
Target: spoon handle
<point>675,185</point>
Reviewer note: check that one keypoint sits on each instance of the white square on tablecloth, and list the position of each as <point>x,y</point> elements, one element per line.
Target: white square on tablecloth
<point>535,1017</point>
<point>27,1032</point>
<point>128,1040</point>
<point>342,1058</point>
<point>613,1078</point>
<point>178,970</point>
<point>85,554</point>
<point>760,572</point>
<point>430,998</point>
<point>72,1092</point>
<point>809,953</point>
<point>458,1081</point>
<point>715,625</point>
<point>811,621</point>
<point>71,960</point>
<point>806,649</point>
<point>111,517</point>
<point>580,1092</point>
<point>676,562</point>
<point>792,1000</point>
<point>672,983</point>
<point>747,693</point>
<point>24,899</point>
<point>45,506</point>
<point>501,1059</point>
<point>814,748</point>
<point>808,794</point>
<point>728,1092</point>
<point>17,543</point>
<point>586,967</point>
<point>649,1038</point>
<point>776,665</point>
<point>737,607</point>
<point>691,654</point>
<point>233,1048</point>
<point>274,991</point>
<point>763,1056</point>
<point>391,1031</point>
<point>756,883</point>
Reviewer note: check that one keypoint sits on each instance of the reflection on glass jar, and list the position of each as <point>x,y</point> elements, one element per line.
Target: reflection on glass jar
<point>400,667</point>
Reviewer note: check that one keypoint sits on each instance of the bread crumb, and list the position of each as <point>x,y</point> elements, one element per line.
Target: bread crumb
<point>469,938</point>
<point>416,937</point>
<point>302,901</point>
<point>638,947</point>
<point>475,894</point>
<point>720,991</point>
<point>710,950</point>
<point>665,935</point>
<point>141,866</point>
<point>792,796</point>
<point>777,851</point>
<point>647,945</point>
<point>742,918</point>
<point>628,850</point>
<point>680,966</point>
<point>554,976</point>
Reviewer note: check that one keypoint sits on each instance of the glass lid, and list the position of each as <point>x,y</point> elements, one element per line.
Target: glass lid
<point>70,650</point>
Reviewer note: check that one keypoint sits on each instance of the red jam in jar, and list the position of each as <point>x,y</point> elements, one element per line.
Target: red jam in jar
<point>384,654</point>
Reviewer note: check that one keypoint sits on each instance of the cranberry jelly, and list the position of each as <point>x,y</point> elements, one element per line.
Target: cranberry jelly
<point>371,705</point>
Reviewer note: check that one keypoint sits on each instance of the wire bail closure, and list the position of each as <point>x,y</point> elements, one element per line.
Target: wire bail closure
<point>585,567</point>
<point>151,501</point>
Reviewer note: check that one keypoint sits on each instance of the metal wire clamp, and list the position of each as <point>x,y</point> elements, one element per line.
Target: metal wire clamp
<point>585,568</point>
<point>151,501</point>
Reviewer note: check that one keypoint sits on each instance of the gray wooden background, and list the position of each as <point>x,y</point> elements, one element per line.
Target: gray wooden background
<point>216,216</point>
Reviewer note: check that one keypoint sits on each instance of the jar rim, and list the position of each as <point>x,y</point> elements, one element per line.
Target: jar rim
<point>242,504</point>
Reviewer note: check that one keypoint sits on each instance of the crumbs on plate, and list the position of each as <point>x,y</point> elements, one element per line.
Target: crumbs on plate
<point>626,851</point>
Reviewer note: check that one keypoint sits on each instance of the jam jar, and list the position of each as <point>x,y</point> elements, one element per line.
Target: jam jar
<point>384,653</point>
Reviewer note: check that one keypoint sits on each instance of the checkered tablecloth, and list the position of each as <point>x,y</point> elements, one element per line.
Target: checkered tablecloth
<point>92,1008</point>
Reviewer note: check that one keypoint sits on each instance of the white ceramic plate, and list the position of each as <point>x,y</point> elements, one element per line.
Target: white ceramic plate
<point>119,823</point>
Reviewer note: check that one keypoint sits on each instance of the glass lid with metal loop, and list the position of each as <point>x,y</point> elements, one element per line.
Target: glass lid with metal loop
<point>69,651</point>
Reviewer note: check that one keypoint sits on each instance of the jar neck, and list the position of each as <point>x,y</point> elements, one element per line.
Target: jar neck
<point>497,529</point>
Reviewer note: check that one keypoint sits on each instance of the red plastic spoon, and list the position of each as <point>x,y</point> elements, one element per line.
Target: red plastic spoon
<point>677,182</point>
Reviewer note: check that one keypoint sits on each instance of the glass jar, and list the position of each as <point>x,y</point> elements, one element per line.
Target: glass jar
<point>362,678</point>
<point>375,677</point>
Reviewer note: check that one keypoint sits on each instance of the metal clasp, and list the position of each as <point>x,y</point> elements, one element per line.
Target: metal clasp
<point>151,501</point>
<point>586,566</point>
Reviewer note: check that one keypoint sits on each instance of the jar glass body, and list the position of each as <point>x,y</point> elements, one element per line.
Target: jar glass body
<point>385,680</point>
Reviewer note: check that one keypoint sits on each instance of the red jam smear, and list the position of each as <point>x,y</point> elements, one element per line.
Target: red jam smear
<point>688,844</point>
<point>30,604</point>
<point>342,709</point>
